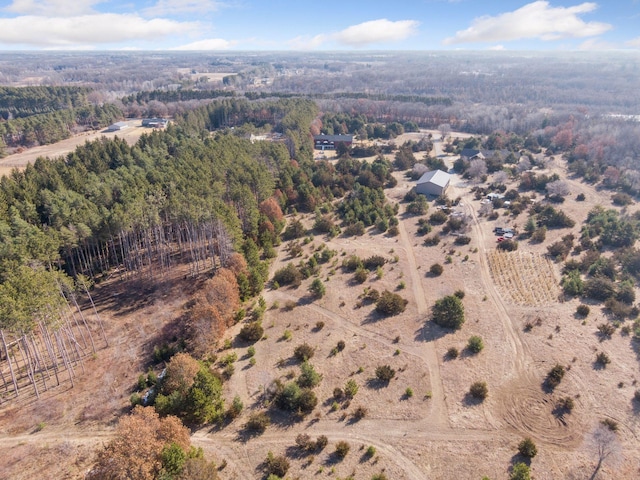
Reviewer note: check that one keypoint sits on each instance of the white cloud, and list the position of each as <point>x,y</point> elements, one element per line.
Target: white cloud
<point>535,20</point>
<point>376,31</point>
<point>84,30</point>
<point>208,44</point>
<point>367,33</point>
<point>635,42</point>
<point>172,7</point>
<point>53,8</point>
<point>497,48</point>
<point>596,44</point>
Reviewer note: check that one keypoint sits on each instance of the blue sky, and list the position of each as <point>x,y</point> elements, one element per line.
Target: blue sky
<point>320,25</point>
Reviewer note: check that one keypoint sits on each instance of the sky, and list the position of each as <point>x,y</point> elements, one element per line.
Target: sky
<point>328,25</point>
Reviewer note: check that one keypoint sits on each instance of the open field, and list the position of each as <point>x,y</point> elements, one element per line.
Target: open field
<point>20,160</point>
<point>438,432</point>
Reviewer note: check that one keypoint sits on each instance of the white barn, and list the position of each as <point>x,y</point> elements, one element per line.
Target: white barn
<point>433,183</point>
<point>116,127</point>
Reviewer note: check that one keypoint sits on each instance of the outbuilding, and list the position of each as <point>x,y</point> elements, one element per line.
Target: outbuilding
<point>433,183</point>
<point>116,127</point>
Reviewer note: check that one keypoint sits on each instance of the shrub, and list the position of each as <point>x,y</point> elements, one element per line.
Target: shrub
<point>508,245</point>
<point>361,275</point>
<point>251,332</point>
<point>287,335</point>
<point>276,465</point>
<point>408,392</point>
<point>385,373</point>
<point>236,407</point>
<point>448,312</point>
<point>379,476</point>
<point>555,375</point>
<point>289,275</point>
<point>459,294</point>
<point>475,344</point>
<point>355,229</point>
<point>527,448</point>
<point>606,330</point>
<point>452,353</point>
<point>390,303</point>
<point>352,263</point>
<point>462,240</point>
<point>351,388</point>
<point>303,442</point>
<point>303,352</point>
<point>342,449</point>
<point>373,262</point>
<point>340,345</point>
<point>610,424</point>
<point>308,376</point>
<point>360,412</point>
<point>258,422</point>
<point>432,241</point>
<point>603,359</point>
<point>436,269</point>
<point>520,471</point>
<point>583,310</point>
<point>566,404</point>
<point>580,197</point>
<point>321,442</point>
<point>317,288</point>
<point>371,451</point>
<point>438,217</point>
<point>479,390</point>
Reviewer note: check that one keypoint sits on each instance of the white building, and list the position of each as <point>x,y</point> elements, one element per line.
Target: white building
<point>433,183</point>
<point>116,127</point>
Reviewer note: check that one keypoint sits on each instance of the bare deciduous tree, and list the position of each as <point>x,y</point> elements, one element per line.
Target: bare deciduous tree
<point>500,178</point>
<point>477,168</point>
<point>605,445</point>
<point>558,188</point>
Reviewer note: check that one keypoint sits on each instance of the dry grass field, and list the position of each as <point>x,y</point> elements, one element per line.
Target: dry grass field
<point>22,159</point>
<point>436,432</point>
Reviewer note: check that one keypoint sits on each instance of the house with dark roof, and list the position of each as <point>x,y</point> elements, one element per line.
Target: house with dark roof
<point>433,183</point>
<point>330,142</point>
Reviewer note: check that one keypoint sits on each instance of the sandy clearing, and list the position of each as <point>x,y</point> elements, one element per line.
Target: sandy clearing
<point>20,160</point>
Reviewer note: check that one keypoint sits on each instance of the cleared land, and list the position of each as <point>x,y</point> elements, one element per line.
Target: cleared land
<point>22,159</point>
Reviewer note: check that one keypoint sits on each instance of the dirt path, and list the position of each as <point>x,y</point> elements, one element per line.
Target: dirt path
<point>430,357</point>
<point>515,366</point>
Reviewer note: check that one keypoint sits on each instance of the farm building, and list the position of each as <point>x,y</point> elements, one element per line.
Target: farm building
<point>330,142</point>
<point>154,122</point>
<point>116,127</point>
<point>433,183</point>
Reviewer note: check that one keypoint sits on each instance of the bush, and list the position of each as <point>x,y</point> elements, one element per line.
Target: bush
<point>475,344</point>
<point>277,465</point>
<point>479,390</point>
<point>432,241</point>
<point>583,310</point>
<point>289,275</point>
<point>527,448</point>
<point>354,230</point>
<point>361,275</point>
<point>352,263</point>
<point>452,353</point>
<point>462,240</point>
<point>317,288</point>
<point>342,449</point>
<point>360,412</point>
<point>308,376</point>
<point>520,471</point>
<point>390,303</point>
<point>438,218</point>
<point>436,269</point>
<point>508,245</point>
<point>351,388</point>
<point>258,422</point>
<point>606,329</point>
<point>385,373</point>
<point>603,359</point>
<point>303,352</point>
<point>251,332</point>
<point>448,312</point>
<point>565,404</point>
<point>459,294</point>
<point>373,262</point>
<point>371,451</point>
<point>555,375</point>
